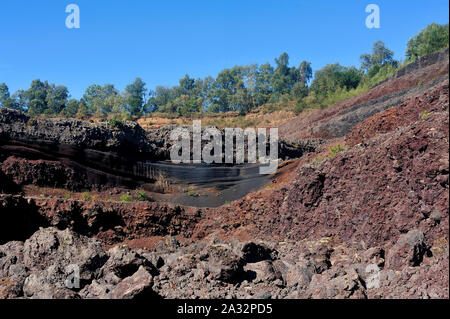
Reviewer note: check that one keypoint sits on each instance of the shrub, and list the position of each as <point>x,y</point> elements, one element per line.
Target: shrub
<point>334,150</point>
<point>115,123</point>
<point>142,196</point>
<point>126,198</point>
<point>299,107</point>
<point>424,115</point>
<point>86,196</point>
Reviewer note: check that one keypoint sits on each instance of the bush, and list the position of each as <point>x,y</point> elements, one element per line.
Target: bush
<point>299,107</point>
<point>126,198</point>
<point>334,150</point>
<point>115,123</point>
<point>142,196</point>
<point>86,196</point>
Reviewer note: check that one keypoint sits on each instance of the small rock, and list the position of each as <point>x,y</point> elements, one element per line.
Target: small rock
<point>436,216</point>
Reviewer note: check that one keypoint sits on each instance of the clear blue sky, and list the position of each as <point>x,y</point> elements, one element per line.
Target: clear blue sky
<point>161,41</point>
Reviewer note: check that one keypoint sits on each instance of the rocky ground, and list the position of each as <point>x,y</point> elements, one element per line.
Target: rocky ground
<point>369,219</point>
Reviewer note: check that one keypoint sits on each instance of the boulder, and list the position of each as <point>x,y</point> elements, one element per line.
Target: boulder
<point>136,286</point>
<point>408,251</point>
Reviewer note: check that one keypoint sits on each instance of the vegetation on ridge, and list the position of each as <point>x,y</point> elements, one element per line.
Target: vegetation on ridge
<point>241,88</point>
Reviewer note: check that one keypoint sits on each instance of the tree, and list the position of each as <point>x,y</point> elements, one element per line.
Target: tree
<point>333,77</point>
<point>187,85</point>
<point>71,109</point>
<point>5,99</point>
<point>100,100</point>
<point>36,96</point>
<point>135,97</point>
<point>379,57</point>
<point>160,98</point>
<point>204,87</point>
<point>433,38</point>
<point>82,110</point>
<point>4,93</point>
<point>263,86</point>
<point>224,87</point>
<point>92,98</point>
<point>299,90</point>
<point>111,99</point>
<point>304,72</point>
<point>283,77</point>
<point>56,99</point>
<point>20,100</point>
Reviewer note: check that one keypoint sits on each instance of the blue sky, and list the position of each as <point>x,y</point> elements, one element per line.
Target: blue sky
<point>161,41</point>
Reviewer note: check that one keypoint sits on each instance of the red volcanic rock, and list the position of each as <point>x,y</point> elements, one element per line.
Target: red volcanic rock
<point>43,173</point>
<point>409,111</point>
<point>338,119</point>
<point>114,222</point>
<point>135,286</point>
<point>376,191</point>
<point>387,198</point>
<point>408,251</point>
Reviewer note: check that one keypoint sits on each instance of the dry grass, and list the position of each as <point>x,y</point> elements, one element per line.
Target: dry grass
<point>262,118</point>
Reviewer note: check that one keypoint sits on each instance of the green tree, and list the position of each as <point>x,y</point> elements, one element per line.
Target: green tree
<point>304,72</point>
<point>433,38</point>
<point>5,99</point>
<point>160,99</point>
<point>4,93</point>
<point>20,100</point>
<point>263,85</point>
<point>187,85</point>
<point>379,57</point>
<point>299,90</point>
<point>100,100</point>
<point>333,77</point>
<point>56,99</point>
<point>36,96</point>
<point>284,77</point>
<point>224,87</point>
<point>82,111</point>
<point>135,97</point>
<point>71,108</point>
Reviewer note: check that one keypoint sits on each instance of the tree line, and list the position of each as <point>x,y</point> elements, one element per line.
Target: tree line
<point>241,88</point>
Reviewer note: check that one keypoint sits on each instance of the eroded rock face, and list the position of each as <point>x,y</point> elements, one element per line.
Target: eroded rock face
<point>78,155</point>
<point>16,126</point>
<point>20,172</point>
<point>19,219</point>
<point>111,222</point>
